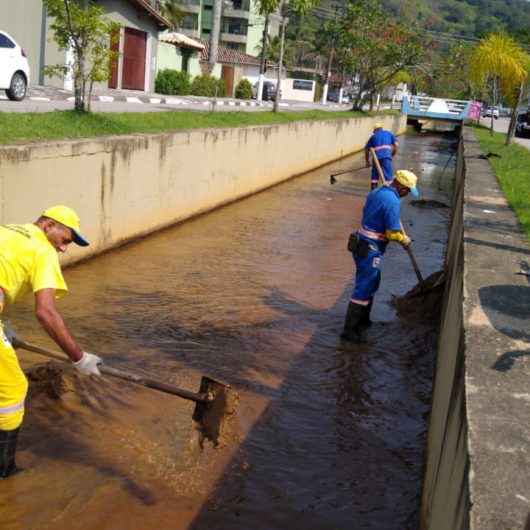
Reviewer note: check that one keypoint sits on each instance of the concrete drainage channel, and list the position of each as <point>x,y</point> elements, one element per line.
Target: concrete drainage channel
<point>477,455</point>
<point>477,452</point>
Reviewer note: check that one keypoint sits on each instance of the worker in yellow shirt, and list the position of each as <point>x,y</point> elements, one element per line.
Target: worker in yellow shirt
<point>29,262</point>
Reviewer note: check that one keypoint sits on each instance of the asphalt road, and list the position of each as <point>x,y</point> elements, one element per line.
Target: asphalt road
<point>501,125</point>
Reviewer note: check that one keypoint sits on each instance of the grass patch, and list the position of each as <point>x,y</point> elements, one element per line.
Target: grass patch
<point>512,171</point>
<point>22,127</point>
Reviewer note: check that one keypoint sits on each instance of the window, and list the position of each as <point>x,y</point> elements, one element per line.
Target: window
<point>6,42</point>
<point>189,22</point>
<point>302,84</point>
<point>234,26</point>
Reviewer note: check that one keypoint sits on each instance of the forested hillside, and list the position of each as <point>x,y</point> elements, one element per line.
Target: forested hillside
<point>474,18</point>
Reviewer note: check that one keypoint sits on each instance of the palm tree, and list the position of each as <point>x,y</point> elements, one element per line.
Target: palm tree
<point>272,50</point>
<point>172,12</point>
<point>500,63</point>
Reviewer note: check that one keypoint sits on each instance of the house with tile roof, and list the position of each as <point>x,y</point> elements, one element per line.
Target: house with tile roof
<point>135,68</point>
<point>179,52</point>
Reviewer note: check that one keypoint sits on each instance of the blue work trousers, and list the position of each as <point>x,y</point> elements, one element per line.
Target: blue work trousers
<point>367,274</point>
<point>388,172</point>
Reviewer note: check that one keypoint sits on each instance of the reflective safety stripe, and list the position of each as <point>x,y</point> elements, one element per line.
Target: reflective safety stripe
<point>12,408</point>
<point>385,146</point>
<point>360,302</point>
<point>372,235</point>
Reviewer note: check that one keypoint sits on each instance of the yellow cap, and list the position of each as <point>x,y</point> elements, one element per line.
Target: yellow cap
<point>378,125</point>
<point>67,217</point>
<point>408,179</point>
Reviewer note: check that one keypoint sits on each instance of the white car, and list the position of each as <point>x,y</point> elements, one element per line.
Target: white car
<point>491,111</point>
<point>14,68</point>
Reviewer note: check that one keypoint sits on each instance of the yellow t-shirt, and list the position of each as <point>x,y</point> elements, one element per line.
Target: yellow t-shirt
<point>28,262</point>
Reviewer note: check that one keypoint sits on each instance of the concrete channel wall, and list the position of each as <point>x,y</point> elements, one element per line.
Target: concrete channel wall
<point>477,470</point>
<point>127,186</point>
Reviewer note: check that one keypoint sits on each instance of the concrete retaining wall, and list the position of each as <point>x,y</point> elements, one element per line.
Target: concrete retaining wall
<point>477,470</point>
<point>127,186</point>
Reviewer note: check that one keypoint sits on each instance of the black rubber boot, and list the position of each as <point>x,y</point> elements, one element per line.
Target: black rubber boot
<point>366,322</point>
<point>352,327</point>
<point>8,448</point>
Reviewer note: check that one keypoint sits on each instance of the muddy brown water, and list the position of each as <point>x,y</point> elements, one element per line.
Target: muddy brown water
<point>328,436</point>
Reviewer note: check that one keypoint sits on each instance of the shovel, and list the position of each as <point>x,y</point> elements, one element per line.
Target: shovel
<point>213,403</point>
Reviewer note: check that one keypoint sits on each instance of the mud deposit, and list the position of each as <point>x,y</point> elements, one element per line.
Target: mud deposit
<point>326,436</point>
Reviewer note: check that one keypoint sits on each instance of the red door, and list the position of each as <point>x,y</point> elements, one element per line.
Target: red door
<point>115,47</point>
<point>134,48</point>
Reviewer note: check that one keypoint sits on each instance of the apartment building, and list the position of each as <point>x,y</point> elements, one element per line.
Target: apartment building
<point>241,24</point>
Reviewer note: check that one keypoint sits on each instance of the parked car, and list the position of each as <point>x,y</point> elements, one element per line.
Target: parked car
<point>269,91</point>
<point>333,95</point>
<point>522,126</point>
<point>488,112</point>
<point>14,68</point>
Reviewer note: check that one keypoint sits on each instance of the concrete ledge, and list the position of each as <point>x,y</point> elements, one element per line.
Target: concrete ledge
<point>478,456</point>
<point>127,186</point>
<point>497,360</point>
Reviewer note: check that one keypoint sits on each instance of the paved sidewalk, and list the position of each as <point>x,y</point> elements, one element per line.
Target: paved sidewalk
<point>497,355</point>
<point>46,98</point>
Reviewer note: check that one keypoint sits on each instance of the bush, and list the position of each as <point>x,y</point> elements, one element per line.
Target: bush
<point>206,85</point>
<point>172,82</point>
<point>244,89</point>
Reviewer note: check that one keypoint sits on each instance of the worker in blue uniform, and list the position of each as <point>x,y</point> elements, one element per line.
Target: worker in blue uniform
<point>385,145</point>
<point>380,224</point>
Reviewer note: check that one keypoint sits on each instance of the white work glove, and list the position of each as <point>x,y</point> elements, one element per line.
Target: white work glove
<point>406,241</point>
<point>88,364</point>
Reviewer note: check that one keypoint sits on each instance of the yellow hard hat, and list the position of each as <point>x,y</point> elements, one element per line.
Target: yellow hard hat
<point>378,125</point>
<point>408,179</point>
<point>67,217</point>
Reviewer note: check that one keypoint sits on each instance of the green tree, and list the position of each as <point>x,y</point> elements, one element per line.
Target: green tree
<point>374,49</point>
<point>172,12</point>
<point>299,7</point>
<point>84,29</point>
<point>273,48</point>
<point>445,72</point>
<point>500,64</point>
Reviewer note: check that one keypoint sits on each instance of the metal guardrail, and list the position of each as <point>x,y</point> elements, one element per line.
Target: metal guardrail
<point>437,108</point>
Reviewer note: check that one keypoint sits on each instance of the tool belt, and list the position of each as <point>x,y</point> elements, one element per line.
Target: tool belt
<point>353,241</point>
<point>360,247</point>
<point>357,246</point>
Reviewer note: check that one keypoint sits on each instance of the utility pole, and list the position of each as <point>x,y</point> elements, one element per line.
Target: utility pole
<point>276,107</point>
<point>330,62</point>
<point>214,35</point>
<point>263,65</point>
<point>328,76</point>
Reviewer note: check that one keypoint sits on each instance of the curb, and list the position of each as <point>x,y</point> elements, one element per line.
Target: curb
<point>148,100</point>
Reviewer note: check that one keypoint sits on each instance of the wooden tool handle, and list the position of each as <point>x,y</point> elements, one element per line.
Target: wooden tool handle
<point>119,374</point>
<point>408,250</point>
<point>375,161</point>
